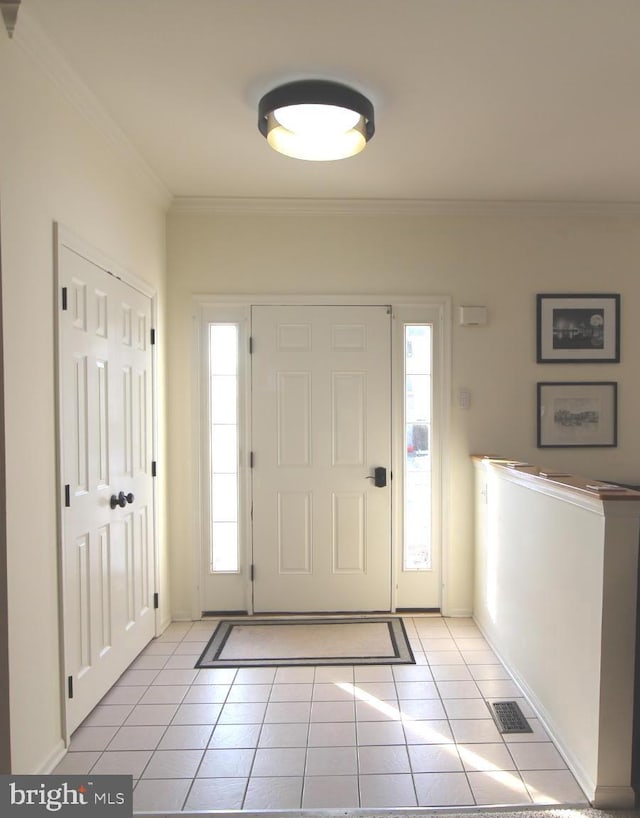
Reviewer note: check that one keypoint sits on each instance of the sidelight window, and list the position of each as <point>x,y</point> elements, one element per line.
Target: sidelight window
<point>223,447</point>
<point>417,450</point>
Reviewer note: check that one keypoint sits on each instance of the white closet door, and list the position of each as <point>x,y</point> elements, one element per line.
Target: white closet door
<point>106,433</point>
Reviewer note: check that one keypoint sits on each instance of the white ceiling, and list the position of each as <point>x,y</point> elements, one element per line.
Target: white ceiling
<point>475,99</point>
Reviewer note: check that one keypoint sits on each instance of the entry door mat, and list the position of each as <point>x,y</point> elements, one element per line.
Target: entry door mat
<point>254,642</point>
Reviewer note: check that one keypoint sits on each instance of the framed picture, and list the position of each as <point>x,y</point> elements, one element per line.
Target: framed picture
<point>578,328</point>
<point>577,414</point>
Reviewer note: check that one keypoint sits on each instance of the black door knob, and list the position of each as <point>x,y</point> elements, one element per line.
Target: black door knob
<point>121,499</point>
<point>118,500</point>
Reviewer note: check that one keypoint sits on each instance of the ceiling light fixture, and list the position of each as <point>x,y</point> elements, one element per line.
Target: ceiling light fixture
<point>317,120</point>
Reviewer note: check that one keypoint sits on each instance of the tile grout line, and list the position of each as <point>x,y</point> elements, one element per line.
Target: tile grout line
<point>356,729</point>
<point>464,769</point>
<point>155,750</point>
<point>502,741</point>
<point>450,726</point>
<point>170,723</point>
<point>195,775</point>
<point>255,749</point>
<point>304,773</point>
<point>120,726</point>
<point>413,774</point>
<point>306,750</point>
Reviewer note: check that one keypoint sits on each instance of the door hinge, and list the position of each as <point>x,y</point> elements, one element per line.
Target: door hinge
<point>70,687</point>
<point>250,345</point>
<point>67,496</point>
<point>250,460</point>
<point>251,572</point>
<point>65,304</point>
<point>153,337</point>
<point>154,469</point>
<point>156,601</point>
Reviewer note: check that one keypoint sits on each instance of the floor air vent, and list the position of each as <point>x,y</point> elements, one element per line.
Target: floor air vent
<point>509,718</point>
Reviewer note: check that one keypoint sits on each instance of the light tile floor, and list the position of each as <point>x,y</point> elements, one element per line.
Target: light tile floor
<point>320,737</point>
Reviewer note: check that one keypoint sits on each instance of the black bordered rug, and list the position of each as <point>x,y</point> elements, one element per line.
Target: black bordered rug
<point>261,642</point>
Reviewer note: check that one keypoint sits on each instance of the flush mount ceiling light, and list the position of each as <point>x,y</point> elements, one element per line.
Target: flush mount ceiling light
<point>316,120</point>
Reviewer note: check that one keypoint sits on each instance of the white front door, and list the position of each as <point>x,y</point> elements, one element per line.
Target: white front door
<point>106,451</point>
<point>321,426</point>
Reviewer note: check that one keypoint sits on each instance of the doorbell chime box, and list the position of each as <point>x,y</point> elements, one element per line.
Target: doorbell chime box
<point>472,316</point>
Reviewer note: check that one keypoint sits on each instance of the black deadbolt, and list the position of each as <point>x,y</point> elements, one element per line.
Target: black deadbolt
<point>380,477</point>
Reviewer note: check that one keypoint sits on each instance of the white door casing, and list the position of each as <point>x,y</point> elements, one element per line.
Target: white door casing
<point>107,553</point>
<point>409,589</point>
<point>321,424</point>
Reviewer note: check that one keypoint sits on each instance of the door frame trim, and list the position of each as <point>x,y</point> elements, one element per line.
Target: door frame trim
<point>64,237</point>
<point>442,304</point>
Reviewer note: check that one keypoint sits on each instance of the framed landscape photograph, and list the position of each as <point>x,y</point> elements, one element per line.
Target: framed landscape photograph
<point>577,414</point>
<point>578,328</point>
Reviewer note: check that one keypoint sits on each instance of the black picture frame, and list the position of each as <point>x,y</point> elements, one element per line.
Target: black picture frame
<point>577,328</point>
<point>577,414</point>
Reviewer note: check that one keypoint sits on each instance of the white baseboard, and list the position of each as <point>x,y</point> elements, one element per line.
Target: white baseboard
<point>163,626</point>
<point>182,616</point>
<point>465,613</point>
<point>614,798</point>
<point>52,760</point>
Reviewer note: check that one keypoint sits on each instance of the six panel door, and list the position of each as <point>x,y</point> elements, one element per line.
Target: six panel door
<point>106,432</point>
<point>320,426</point>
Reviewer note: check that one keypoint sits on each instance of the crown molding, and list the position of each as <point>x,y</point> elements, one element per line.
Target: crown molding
<point>31,38</point>
<point>212,205</point>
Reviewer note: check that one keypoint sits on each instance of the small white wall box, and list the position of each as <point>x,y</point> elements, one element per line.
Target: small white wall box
<point>473,316</point>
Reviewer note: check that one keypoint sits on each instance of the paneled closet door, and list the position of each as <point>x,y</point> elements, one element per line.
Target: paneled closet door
<point>106,450</point>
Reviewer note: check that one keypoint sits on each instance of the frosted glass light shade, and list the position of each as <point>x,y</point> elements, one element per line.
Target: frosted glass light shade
<point>321,145</point>
<point>321,119</point>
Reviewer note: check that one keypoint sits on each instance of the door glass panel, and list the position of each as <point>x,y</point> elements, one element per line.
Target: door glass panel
<point>225,407</point>
<point>225,554</point>
<point>223,447</point>
<point>224,498</point>
<point>223,352</point>
<point>417,459</point>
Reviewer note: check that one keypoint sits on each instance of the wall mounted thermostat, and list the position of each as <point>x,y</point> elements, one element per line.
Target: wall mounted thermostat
<point>464,399</point>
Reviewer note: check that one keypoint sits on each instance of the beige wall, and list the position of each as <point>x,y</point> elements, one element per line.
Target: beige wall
<point>497,258</point>
<point>54,166</point>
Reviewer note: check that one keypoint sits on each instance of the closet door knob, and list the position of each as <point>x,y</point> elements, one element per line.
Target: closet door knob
<point>121,499</point>
<point>118,500</point>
